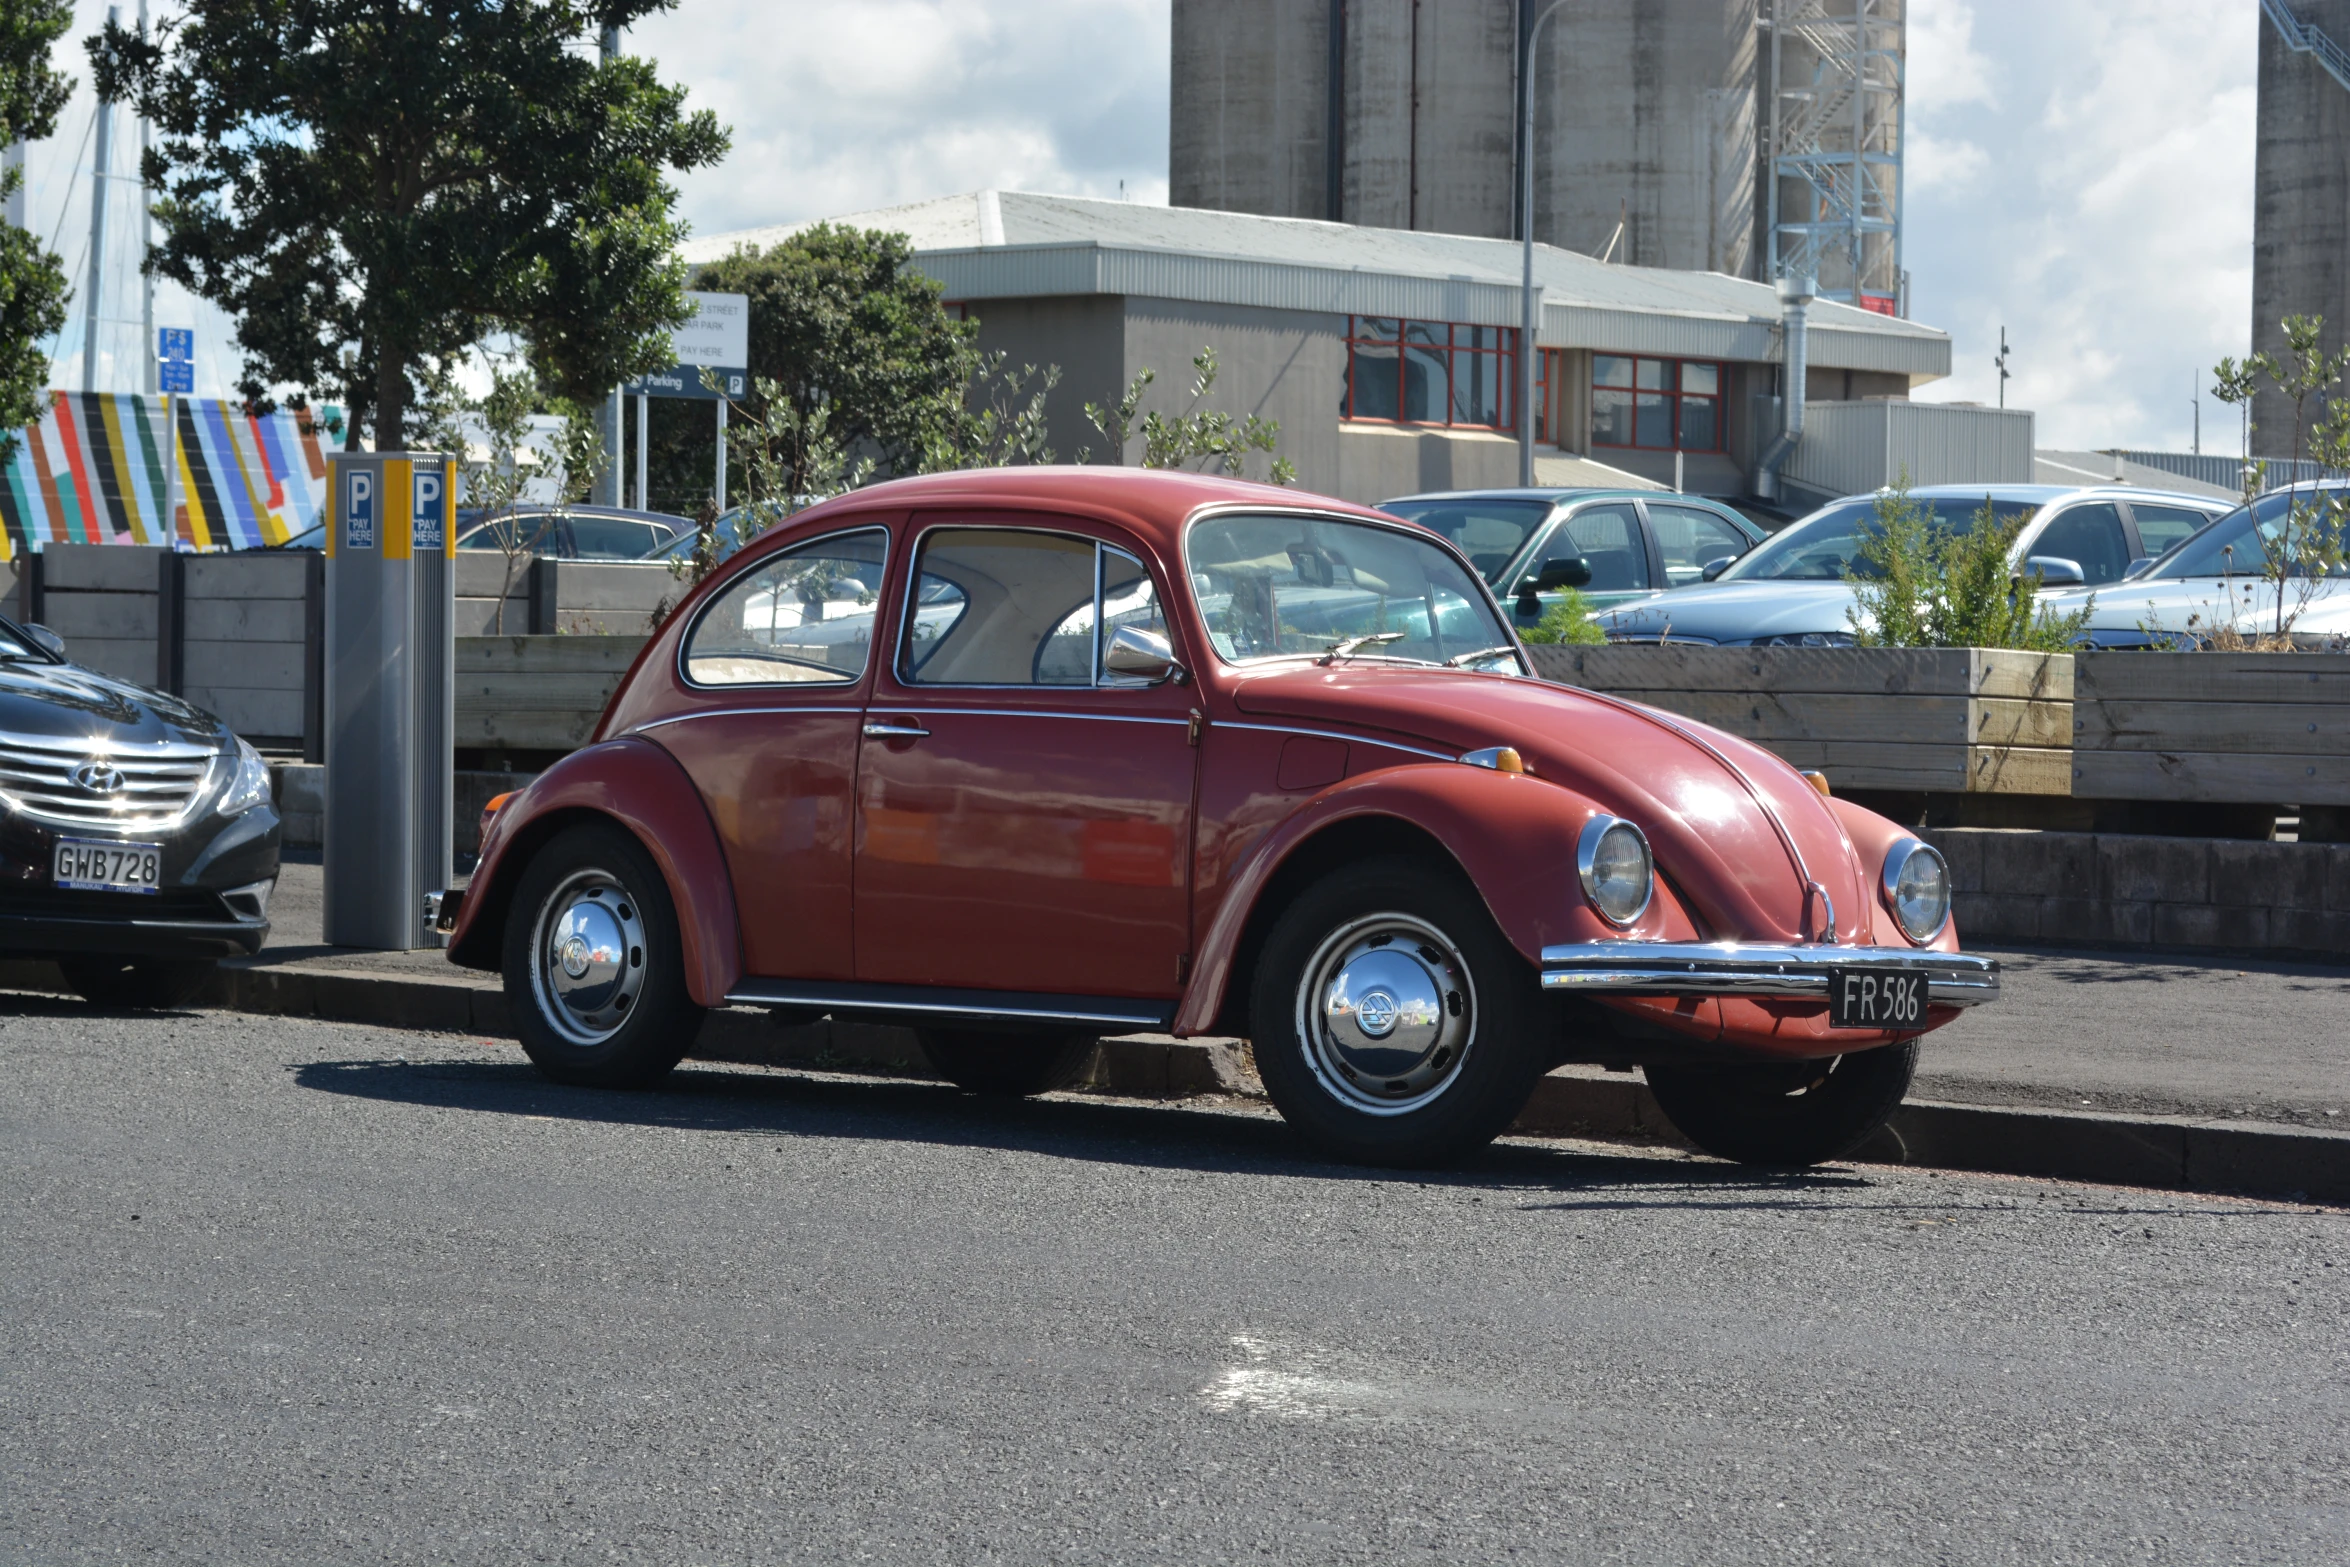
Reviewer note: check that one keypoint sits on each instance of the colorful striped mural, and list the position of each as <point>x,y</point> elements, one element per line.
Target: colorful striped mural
<point>93,471</point>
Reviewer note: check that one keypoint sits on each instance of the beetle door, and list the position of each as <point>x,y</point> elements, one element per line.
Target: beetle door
<point>1024,813</point>
<point>783,657</point>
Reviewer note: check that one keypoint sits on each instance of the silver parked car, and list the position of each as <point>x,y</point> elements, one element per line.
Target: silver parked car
<point>1791,589</point>
<point>2217,577</point>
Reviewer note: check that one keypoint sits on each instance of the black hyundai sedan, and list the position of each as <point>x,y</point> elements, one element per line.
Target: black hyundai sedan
<point>138,840</point>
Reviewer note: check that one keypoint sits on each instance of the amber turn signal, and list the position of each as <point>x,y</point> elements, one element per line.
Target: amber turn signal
<point>1501,758</point>
<point>1818,781</point>
<point>489,811</point>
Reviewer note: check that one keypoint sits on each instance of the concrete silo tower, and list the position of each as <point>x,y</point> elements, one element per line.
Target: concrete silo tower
<point>2301,189</point>
<point>1653,124</point>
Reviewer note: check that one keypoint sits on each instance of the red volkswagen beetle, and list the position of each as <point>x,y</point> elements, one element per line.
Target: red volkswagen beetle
<point>1027,757</point>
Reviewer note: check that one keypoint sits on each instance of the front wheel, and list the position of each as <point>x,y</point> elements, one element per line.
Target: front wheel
<point>594,970</point>
<point>1393,1023</point>
<point>1786,1114</point>
<point>157,984</point>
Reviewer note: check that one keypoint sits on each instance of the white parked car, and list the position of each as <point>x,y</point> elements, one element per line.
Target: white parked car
<point>2216,578</point>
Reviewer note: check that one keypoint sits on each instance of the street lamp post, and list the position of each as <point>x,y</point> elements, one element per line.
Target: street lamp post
<point>1526,323</point>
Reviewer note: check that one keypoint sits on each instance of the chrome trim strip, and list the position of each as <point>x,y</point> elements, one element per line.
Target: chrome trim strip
<point>895,710</point>
<point>1333,734</point>
<point>853,711</point>
<point>855,999</point>
<point>1730,968</point>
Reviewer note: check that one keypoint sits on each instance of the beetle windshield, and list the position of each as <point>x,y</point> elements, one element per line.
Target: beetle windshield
<point>1275,586</point>
<point>1489,532</point>
<point>1824,545</point>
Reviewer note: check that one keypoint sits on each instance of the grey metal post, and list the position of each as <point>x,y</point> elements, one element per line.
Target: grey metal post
<point>1526,300</point>
<point>390,695</point>
<point>153,360</point>
<point>644,423</point>
<point>100,169</point>
<point>719,480</point>
<point>609,483</point>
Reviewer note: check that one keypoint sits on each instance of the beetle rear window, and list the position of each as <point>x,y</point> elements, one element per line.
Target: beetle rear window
<point>801,617</point>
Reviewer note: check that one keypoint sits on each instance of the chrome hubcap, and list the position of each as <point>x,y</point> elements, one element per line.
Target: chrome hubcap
<point>1387,1013</point>
<point>590,957</point>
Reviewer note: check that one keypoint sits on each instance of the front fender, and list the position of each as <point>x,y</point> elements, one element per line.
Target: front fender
<point>1513,834</point>
<point>639,786</point>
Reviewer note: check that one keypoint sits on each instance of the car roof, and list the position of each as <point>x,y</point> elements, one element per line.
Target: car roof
<point>1571,492</point>
<point>2042,493</point>
<point>1154,502</point>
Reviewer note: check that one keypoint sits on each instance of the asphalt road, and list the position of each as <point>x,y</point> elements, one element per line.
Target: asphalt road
<point>283,1292</point>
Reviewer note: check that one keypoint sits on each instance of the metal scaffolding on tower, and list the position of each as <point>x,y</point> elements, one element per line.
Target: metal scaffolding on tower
<point>1834,84</point>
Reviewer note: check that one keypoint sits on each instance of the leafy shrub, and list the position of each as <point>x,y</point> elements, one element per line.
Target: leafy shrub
<point>1569,621</point>
<point>1932,587</point>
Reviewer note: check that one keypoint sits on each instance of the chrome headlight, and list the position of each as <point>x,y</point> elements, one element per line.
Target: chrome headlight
<point>250,786</point>
<point>1618,875</point>
<point>1916,888</point>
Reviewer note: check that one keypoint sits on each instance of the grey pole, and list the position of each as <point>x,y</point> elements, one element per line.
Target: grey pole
<point>1526,302</point>
<point>153,360</point>
<point>609,488</point>
<point>720,476</point>
<point>644,422</point>
<point>100,169</point>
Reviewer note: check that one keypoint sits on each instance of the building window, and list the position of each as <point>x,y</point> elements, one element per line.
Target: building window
<point>1428,372</point>
<point>1658,404</point>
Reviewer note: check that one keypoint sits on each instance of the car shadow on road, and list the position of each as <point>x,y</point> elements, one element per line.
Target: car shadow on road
<point>1190,1138</point>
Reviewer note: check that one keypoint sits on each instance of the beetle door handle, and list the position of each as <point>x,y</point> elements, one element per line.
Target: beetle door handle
<point>883,731</point>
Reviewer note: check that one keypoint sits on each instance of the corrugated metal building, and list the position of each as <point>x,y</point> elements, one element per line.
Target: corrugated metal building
<point>1388,355</point>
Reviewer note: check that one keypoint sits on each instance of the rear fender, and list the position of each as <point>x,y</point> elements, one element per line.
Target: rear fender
<point>639,786</point>
<point>1513,835</point>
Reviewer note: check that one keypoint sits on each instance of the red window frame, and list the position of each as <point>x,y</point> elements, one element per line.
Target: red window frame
<point>1671,391</point>
<point>1471,356</point>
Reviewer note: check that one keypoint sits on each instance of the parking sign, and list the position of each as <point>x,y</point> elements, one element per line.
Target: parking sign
<point>359,510</point>
<point>429,522</point>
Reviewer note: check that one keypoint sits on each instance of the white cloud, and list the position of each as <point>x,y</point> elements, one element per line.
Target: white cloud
<point>2083,176</point>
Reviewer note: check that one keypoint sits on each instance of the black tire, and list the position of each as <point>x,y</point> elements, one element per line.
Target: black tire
<point>158,984</point>
<point>1006,1065</point>
<point>1788,1114</point>
<point>1401,1085</point>
<point>624,1018</point>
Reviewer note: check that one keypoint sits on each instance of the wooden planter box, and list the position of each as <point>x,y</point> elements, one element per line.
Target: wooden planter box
<point>2221,728</point>
<point>1931,720</point>
<point>536,693</point>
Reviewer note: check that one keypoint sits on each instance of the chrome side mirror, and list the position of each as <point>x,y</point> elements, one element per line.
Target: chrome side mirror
<point>1712,568</point>
<point>2055,571</point>
<point>50,642</point>
<point>1136,654</point>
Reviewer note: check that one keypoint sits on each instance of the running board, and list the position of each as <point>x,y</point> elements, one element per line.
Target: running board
<point>930,1003</point>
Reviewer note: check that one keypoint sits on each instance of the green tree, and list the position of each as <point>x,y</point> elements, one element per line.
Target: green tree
<point>374,187</point>
<point>32,278</point>
<point>1919,585</point>
<point>1170,441</point>
<point>1569,621</point>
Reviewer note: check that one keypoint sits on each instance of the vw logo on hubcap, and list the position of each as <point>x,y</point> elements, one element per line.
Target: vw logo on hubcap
<point>573,955</point>
<point>97,777</point>
<point>1375,1014</point>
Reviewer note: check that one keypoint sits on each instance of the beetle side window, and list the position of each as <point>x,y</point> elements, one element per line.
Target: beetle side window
<point>804,616</point>
<point>1015,597</point>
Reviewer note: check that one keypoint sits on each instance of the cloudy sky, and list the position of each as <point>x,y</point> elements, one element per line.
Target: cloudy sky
<point>2079,170</point>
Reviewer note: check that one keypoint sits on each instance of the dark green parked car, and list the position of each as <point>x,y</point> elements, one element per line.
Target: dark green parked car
<point>1633,542</point>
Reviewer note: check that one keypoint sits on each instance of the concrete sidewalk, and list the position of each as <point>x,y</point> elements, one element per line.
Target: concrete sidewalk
<point>2181,1072</point>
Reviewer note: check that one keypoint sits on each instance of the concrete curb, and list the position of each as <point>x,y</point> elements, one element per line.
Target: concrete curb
<point>2162,1152</point>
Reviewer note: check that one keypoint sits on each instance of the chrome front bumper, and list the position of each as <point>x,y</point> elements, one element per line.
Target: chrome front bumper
<point>1729,968</point>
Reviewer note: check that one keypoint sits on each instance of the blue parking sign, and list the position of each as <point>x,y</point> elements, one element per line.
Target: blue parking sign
<point>359,509</point>
<point>178,375</point>
<point>429,522</point>
<point>175,345</point>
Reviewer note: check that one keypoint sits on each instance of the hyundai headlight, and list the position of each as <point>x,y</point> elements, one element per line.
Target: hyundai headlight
<point>1618,875</point>
<point>1917,889</point>
<point>250,786</point>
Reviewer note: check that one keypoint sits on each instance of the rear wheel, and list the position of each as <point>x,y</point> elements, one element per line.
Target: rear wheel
<point>157,983</point>
<point>1786,1113</point>
<point>1008,1065</point>
<point>594,970</point>
<point>1393,1023</point>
